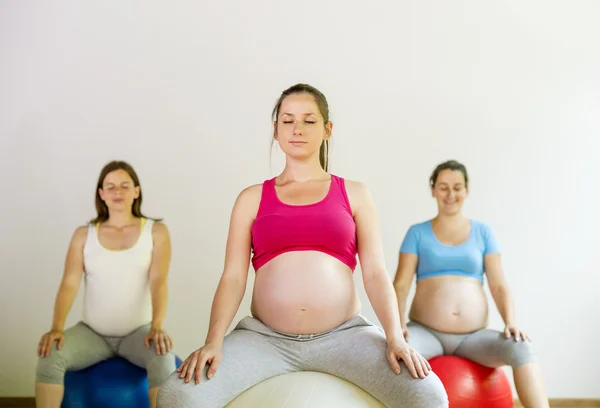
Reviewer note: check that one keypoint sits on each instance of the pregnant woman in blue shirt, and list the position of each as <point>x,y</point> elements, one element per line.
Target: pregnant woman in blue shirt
<point>448,316</point>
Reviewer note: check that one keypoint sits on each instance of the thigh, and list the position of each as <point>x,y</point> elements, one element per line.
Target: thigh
<point>158,366</point>
<point>82,348</point>
<point>133,348</point>
<point>424,341</point>
<point>359,355</point>
<point>248,358</point>
<point>491,349</point>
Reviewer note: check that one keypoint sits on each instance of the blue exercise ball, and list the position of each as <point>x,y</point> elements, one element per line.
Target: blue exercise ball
<point>114,383</point>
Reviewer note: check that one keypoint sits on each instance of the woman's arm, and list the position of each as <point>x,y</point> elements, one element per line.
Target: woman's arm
<point>377,282</point>
<point>232,285</point>
<point>69,286</point>
<point>159,271</point>
<point>405,272</point>
<point>499,288</point>
<point>71,280</point>
<point>230,292</point>
<point>502,296</point>
<point>159,291</point>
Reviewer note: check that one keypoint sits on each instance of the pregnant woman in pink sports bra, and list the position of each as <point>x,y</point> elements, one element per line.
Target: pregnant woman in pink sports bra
<point>302,231</point>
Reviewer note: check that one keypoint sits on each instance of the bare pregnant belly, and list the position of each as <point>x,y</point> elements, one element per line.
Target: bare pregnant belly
<point>450,304</point>
<point>304,292</point>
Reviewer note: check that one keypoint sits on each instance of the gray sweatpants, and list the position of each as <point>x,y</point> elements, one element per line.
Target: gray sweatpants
<point>355,351</point>
<point>84,347</point>
<point>486,347</point>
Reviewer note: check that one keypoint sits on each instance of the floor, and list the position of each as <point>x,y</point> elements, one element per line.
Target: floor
<point>569,404</point>
<point>554,404</point>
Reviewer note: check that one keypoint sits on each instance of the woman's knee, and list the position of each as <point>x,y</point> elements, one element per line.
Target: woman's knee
<point>176,393</point>
<point>159,367</point>
<point>429,393</point>
<point>407,391</point>
<point>51,369</point>
<point>519,353</point>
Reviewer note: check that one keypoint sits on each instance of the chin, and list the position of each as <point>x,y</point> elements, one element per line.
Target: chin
<point>119,207</point>
<point>453,210</point>
<point>299,157</point>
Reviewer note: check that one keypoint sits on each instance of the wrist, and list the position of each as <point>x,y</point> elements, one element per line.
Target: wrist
<point>395,338</point>
<point>57,327</point>
<point>393,331</point>
<point>156,325</point>
<point>214,342</point>
<point>214,339</point>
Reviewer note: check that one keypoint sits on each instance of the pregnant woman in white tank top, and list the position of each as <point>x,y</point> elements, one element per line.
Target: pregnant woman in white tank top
<point>124,257</point>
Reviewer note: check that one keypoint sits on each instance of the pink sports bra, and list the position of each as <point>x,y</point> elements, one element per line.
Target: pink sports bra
<point>327,226</point>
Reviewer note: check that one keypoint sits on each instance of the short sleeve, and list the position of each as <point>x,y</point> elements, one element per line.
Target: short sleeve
<point>491,242</point>
<point>410,244</point>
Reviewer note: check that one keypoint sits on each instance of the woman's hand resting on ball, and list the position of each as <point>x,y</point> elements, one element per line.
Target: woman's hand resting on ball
<point>193,366</point>
<point>48,339</point>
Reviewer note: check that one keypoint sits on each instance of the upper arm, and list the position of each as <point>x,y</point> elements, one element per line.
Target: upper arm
<point>408,259</point>
<point>406,270</point>
<point>161,252</point>
<point>494,271</point>
<point>370,248</point>
<point>410,243</point>
<point>239,238</point>
<point>74,260</point>
<point>492,246</point>
<point>492,262</point>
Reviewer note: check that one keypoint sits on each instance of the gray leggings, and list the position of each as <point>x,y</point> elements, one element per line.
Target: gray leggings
<point>486,347</point>
<point>84,347</point>
<point>354,351</point>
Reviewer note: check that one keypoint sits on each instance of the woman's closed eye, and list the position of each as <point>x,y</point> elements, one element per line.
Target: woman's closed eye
<point>311,122</point>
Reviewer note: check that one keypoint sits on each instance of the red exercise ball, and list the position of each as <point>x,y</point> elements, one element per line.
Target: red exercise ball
<point>471,385</point>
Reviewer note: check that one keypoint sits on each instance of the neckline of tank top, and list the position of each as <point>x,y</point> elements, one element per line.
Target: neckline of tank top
<point>137,241</point>
<point>322,201</point>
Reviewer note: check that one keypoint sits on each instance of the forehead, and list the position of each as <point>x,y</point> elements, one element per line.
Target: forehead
<point>299,104</point>
<point>117,177</point>
<point>451,177</point>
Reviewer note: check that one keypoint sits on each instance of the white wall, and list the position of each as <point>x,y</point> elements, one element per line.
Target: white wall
<point>183,90</point>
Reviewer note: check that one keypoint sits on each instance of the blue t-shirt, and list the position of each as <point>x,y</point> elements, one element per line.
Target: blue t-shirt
<point>436,258</point>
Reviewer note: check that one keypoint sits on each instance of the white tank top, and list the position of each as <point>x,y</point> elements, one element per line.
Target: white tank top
<point>117,293</point>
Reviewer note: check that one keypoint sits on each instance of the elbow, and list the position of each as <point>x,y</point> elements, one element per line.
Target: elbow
<point>233,282</point>
<point>158,284</point>
<point>499,290</point>
<point>375,276</point>
<point>403,281</point>
<point>401,289</point>
<point>69,286</point>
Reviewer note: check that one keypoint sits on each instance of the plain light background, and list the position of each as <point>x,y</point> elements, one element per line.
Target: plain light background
<point>184,90</point>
